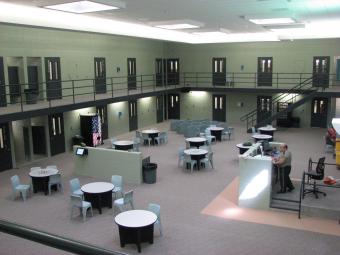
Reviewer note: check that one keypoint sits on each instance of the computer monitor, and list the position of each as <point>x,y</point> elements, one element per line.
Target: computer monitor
<point>81,151</point>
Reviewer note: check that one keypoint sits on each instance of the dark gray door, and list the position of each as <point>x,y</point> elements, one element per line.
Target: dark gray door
<point>100,75</point>
<point>27,149</point>
<point>264,109</point>
<point>173,71</point>
<point>319,112</point>
<point>57,137</point>
<point>39,141</point>
<point>132,79</point>
<point>133,118</point>
<point>53,78</point>
<point>160,72</point>
<point>33,78</point>
<point>264,71</point>
<point>219,71</point>
<point>174,110</point>
<point>2,84</point>
<point>321,71</point>
<point>219,108</point>
<point>5,148</point>
<point>14,83</point>
<point>102,112</point>
<point>160,108</point>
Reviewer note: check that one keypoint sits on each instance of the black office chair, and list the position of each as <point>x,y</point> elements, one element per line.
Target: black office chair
<point>317,174</point>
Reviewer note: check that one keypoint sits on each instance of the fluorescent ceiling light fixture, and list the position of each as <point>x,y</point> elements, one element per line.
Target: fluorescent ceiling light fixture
<point>178,26</point>
<point>287,26</point>
<point>211,33</point>
<point>272,21</point>
<point>81,7</point>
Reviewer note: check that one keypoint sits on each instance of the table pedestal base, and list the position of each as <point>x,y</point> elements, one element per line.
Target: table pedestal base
<point>136,235</point>
<point>98,200</point>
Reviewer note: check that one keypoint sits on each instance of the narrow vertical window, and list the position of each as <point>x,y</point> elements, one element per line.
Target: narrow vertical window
<point>176,66</point>
<point>50,69</point>
<point>215,66</point>
<point>53,126</point>
<point>215,105</point>
<point>269,64</point>
<point>96,64</point>
<point>263,65</point>
<point>103,119</point>
<point>315,110</point>
<point>1,139</point>
<point>59,125</point>
<point>321,109</point>
<point>157,106</point>
<point>176,99</point>
<point>56,70</point>
<point>172,101</point>
<point>323,66</point>
<point>131,110</point>
<point>221,103</point>
<point>317,63</point>
<point>221,66</point>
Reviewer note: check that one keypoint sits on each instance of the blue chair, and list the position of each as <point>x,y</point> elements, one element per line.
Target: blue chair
<point>22,189</point>
<point>55,180</point>
<point>113,140</point>
<point>208,160</point>
<point>187,160</point>
<point>180,155</point>
<point>136,143</point>
<point>117,181</point>
<point>120,203</point>
<point>75,187</point>
<point>77,202</point>
<point>146,139</point>
<point>156,209</point>
<point>209,136</point>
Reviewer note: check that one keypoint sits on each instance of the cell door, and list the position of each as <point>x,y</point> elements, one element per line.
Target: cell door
<point>33,78</point>
<point>219,71</point>
<point>172,71</point>
<point>56,130</point>
<point>133,117</point>
<point>53,78</point>
<point>102,112</point>
<point>219,108</point>
<point>131,67</point>
<point>264,109</point>
<point>321,71</point>
<point>264,71</point>
<point>159,108</point>
<point>14,83</point>
<point>174,109</point>
<point>160,72</point>
<point>5,148</point>
<point>100,75</point>
<point>319,112</point>
<point>3,101</point>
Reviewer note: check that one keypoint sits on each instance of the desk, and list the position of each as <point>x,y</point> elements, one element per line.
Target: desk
<point>135,226</point>
<point>40,179</point>
<point>152,133</point>
<point>99,194</point>
<point>268,130</point>
<point>196,154</point>
<point>217,132</point>
<point>242,148</point>
<point>123,145</point>
<point>259,137</point>
<point>196,141</point>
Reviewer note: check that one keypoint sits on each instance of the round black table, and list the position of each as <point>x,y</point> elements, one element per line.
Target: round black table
<point>196,154</point>
<point>123,145</point>
<point>152,133</point>
<point>196,141</point>
<point>217,132</point>
<point>40,179</point>
<point>99,194</point>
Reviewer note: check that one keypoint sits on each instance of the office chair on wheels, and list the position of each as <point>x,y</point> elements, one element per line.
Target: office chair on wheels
<point>317,174</point>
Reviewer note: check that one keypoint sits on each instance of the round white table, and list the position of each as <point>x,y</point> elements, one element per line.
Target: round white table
<point>217,132</point>
<point>123,145</point>
<point>267,130</point>
<point>135,226</point>
<point>196,141</point>
<point>152,133</point>
<point>242,148</point>
<point>196,154</point>
<point>99,194</point>
<point>41,177</point>
<point>259,137</point>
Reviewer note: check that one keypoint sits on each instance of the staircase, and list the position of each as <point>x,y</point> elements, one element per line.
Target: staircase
<point>289,96</point>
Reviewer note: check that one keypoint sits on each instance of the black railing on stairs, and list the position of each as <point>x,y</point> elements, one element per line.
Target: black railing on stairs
<point>53,240</point>
<point>289,96</point>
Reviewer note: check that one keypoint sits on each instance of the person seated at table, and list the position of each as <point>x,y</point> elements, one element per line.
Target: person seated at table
<point>331,136</point>
<point>283,162</point>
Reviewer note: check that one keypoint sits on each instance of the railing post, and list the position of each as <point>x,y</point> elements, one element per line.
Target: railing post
<point>94,90</point>
<point>73,91</point>
<point>154,82</point>
<point>255,80</point>
<point>141,84</point>
<point>111,79</point>
<point>277,80</point>
<point>300,78</point>
<point>196,79</point>
<point>21,105</point>
<point>184,80</point>
<point>233,80</point>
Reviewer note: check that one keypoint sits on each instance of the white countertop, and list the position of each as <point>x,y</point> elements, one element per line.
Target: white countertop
<point>136,218</point>
<point>123,142</point>
<point>196,139</point>
<point>97,187</point>
<point>43,172</point>
<point>195,152</point>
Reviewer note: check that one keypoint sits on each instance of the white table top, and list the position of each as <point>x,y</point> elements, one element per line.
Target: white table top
<point>216,128</point>
<point>196,139</point>
<point>150,131</point>
<point>97,187</point>
<point>266,128</point>
<point>135,218</point>
<point>195,152</point>
<point>240,145</point>
<point>43,172</point>
<point>261,136</point>
<point>123,142</point>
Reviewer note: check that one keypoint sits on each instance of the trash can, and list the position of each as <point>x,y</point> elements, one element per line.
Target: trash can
<point>149,173</point>
<point>31,96</point>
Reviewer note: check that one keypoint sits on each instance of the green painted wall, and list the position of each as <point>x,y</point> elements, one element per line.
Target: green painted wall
<point>146,110</point>
<point>118,124</point>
